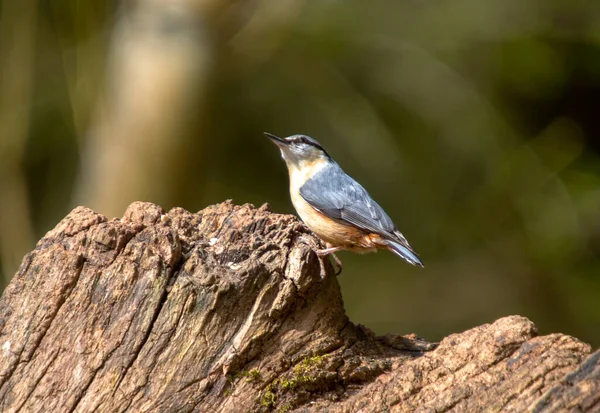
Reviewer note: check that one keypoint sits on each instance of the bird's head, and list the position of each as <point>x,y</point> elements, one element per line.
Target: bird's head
<point>299,151</point>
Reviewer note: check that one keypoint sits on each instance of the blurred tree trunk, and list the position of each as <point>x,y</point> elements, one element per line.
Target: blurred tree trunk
<point>159,67</point>
<point>151,123</point>
<point>229,310</point>
<point>17,53</point>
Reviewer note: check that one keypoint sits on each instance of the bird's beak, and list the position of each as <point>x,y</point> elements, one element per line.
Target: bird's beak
<point>282,143</point>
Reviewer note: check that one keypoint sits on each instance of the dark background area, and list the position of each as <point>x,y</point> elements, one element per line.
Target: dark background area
<point>473,123</point>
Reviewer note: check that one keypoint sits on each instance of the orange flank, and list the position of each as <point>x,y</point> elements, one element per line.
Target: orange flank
<point>335,233</point>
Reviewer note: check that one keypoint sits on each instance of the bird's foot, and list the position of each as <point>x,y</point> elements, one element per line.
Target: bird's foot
<point>322,252</point>
<point>311,242</point>
<point>327,251</point>
<point>331,251</point>
<point>338,262</point>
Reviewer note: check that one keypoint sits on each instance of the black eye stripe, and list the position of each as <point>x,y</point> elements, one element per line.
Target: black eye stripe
<point>305,140</point>
<point>298,140</point>
<point>302,139</point>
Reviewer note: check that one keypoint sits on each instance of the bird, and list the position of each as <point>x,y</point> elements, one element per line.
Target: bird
<point>334,206</point>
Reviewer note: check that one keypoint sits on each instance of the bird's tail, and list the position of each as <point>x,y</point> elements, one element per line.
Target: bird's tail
<point>404,251</point>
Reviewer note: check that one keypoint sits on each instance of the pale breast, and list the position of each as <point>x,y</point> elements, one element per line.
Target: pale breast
<point>325,228</point>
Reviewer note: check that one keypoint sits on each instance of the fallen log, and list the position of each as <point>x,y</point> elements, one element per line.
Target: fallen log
<point>229,310</point>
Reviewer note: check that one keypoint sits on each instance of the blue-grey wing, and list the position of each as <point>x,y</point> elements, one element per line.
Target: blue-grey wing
<point>341,198</point>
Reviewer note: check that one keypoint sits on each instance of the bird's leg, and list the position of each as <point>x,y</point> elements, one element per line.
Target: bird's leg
<point>338,262</point>
<point>327,251</point>
<point>320,252</point>
<point>331,251</point>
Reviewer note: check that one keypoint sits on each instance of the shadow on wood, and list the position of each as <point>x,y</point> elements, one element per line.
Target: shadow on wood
<point>229,310</point>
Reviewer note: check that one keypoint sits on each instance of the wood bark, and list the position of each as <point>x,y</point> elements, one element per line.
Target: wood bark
<point>229,310</point>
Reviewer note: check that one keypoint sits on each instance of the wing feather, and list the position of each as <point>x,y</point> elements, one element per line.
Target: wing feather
<point>343,199</point>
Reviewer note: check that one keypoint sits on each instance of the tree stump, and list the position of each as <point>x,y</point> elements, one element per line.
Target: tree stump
<point>229,310</point>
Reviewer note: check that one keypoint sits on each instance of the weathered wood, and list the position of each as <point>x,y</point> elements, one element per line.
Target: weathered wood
<point>229,310</point>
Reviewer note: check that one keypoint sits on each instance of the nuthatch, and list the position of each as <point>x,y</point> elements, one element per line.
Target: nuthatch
<point>334,206</point>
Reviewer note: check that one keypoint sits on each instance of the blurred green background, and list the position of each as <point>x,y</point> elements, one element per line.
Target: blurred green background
<point>473,123</point>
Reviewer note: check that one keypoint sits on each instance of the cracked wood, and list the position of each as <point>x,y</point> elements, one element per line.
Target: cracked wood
<point>229,310</point>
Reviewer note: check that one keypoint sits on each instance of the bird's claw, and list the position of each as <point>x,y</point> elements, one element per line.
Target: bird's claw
<point>322,252</point>
<point>338,262</point>
<point>311,242</point>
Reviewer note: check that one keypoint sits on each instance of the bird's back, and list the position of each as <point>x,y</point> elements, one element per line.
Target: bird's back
<point>338,196</point>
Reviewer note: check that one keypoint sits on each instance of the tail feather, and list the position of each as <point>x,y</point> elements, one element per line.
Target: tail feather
<point>405,252</point>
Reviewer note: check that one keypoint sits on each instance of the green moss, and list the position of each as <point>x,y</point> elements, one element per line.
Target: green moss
<point>285,408</point>
<point>304,372</point>
<point>308,362</point>
<point>287,384</point>
<point>253,376</point>
<point>268,398</point>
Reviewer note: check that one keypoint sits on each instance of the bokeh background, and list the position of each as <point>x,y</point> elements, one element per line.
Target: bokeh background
<point>473,123</point>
